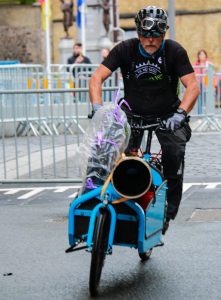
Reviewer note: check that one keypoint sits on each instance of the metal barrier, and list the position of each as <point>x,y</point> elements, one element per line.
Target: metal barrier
<point>206,114</point>
<point>21,76</point>
<point>207,108</point>
<point>64,79</point>
<point>37,136</point>
<point>43,117</point>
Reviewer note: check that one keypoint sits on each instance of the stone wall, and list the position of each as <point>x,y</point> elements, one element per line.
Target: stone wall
<point>21,34</point>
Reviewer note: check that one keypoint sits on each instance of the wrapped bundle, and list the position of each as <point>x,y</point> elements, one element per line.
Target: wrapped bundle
<point>104,142</point>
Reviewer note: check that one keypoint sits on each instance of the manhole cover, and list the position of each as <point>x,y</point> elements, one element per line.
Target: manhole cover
<point>206,215</point>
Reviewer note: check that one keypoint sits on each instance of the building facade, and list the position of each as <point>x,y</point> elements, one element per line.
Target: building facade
<point>197,26</point>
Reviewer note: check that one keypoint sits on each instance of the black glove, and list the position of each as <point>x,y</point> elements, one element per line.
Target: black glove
<point>177,120</point>
<point>90,116</point>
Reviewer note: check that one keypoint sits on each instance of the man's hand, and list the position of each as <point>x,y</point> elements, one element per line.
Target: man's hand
<point>95,107</point>
<point>79,59</point>
<point>176,121</point>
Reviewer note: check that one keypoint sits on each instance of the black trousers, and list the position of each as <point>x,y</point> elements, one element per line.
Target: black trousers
<point>173,145</point>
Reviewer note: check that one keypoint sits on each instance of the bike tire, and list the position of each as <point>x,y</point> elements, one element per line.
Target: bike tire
<point>100,244</point>
<point>146,255</point>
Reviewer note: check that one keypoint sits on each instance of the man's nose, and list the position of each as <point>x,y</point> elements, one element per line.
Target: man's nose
<point>150,39</point>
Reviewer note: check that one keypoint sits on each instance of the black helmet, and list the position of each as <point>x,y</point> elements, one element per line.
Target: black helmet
<point>151,19</point>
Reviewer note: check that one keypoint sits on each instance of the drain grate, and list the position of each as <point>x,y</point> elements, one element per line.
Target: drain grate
<point>206,215</point>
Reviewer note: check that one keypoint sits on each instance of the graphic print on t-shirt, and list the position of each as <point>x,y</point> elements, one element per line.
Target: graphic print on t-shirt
<point>150,69</point>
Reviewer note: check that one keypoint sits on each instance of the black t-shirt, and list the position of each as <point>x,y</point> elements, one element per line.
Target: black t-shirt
<point>152,67</point>
<point>71,60</point>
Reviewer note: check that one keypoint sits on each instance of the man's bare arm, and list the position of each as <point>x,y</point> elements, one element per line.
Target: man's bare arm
<point>191,93</point>
<point>95,84</point>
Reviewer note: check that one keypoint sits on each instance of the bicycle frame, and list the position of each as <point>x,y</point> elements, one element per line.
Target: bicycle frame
<point>128,210</point>
<point>150,222</point>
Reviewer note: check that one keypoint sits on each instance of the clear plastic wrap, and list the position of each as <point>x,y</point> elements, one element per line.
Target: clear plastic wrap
<point>105,140</point>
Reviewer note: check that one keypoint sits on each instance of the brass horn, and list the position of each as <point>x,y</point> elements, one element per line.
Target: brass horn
<point>131,177</point>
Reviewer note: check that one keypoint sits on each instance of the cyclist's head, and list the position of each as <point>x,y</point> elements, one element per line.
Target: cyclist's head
<point>151,21</point>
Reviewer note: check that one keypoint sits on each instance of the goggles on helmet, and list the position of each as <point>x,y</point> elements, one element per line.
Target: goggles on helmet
<point>152,23</point>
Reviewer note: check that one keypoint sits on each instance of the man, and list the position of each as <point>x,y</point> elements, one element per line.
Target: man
<point>78,57</point>
<point>104,53</point>
<point>151,68</point>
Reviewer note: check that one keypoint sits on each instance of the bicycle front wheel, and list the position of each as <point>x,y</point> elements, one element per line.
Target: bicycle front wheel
<point>146,255</point>
<point>100,244</point>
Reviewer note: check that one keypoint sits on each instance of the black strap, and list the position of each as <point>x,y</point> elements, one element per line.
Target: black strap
<point>165,64</point>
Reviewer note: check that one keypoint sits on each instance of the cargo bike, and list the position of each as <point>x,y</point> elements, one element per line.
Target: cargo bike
<point>127,210</point>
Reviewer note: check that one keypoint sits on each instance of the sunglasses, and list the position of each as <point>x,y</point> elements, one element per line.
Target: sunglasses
<point>153,34</point>
<point>152,23</point>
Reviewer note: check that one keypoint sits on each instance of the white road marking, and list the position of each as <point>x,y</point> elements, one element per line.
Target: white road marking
<point>208,185</point>
<point>212,185</point>
<point>186,186</point>
<point>73,195</point>
<point>61,189</point>
<point>12,192</point>
<point>32,191</point>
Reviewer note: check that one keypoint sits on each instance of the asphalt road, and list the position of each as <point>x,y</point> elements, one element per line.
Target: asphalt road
<point>33,231</point>
<point>34,237</point>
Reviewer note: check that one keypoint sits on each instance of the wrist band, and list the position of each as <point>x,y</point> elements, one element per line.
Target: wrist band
<point>182,111</point>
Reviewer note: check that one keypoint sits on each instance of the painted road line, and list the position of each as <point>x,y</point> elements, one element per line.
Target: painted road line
<point>73,195</point>
<point>62,189</point>
<point>186,186</point>
<point>31,193</point>
<point>208,185</point>
<point>42,187</point>
<point>212,185</point>
<point>12,192</point>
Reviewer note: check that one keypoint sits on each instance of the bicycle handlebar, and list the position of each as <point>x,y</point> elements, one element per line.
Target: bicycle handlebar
<point>145,123</point>
<point>145,127</point>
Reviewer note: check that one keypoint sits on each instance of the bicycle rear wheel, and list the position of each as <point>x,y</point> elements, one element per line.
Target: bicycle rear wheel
<point>100,244</point>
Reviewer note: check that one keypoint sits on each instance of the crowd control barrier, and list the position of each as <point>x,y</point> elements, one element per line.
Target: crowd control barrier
<point>38,135</point>
<point>44,116</point>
